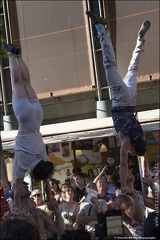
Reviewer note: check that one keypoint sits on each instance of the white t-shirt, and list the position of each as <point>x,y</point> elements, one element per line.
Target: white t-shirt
<point>86,207</point>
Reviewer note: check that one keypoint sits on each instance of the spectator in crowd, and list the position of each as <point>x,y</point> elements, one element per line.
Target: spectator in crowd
<point>111,164</point>
<point>109,190</point>
<point>110,168</point>
<point>132,205</point>
<point>153,166</point>
<point>6,188</point>
<point>154,191</point>
<point>68,206</point>
<point>101,185</point>
<point>36,195</point>
<point>4,206</point>
<point>79,179</point>
<point>108,173</point>
<point>90,176</point>
<point>30,151</point>
<point>38,199</point>
<point>19,230</point>
<point>88,209</point>
<point>110,186</point>
<point>37,216</point>
<point>72,182</point>
<point>55,188</point>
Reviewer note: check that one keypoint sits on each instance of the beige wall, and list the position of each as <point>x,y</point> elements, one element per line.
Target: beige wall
<point>54,40</point>
<point>55,45</point>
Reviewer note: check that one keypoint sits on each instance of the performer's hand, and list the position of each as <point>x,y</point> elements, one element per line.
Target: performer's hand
<point>19,213</point>
<point>127,191</point>
<point>7,215</point>
<point>148,181</point>
<point>52,204</point>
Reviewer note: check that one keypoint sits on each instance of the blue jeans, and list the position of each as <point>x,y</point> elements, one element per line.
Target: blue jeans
<point>123,91</point>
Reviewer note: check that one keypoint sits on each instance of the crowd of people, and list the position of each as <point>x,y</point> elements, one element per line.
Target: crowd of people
<point>77,207</point>
<point>73,210</point>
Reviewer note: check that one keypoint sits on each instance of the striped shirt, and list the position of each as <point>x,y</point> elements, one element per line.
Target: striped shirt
<point>125,121</point>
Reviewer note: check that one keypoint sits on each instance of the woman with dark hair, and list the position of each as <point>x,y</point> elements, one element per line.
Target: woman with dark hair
<point>90,176</point>
<point>30,151</point>
<point>68,206</point>
<point>55,189</point>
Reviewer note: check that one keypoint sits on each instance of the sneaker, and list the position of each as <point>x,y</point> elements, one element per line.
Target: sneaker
<point>144,28</point>
<point>18,50</point>
<point>10,48</point>
<point>96,18</point>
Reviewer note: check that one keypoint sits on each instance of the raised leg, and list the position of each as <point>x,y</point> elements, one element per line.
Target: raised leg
<point>131,77</point>
<point>20,74</point>
<point>119,91</point>
<point>26,79</point>
<point>18,84</point>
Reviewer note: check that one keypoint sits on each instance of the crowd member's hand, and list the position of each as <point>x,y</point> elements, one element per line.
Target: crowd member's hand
<point>19,213</point>
<point>99,209</point>
<point>105,169</point>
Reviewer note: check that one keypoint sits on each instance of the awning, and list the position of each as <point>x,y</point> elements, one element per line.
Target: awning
<point>83,129</point>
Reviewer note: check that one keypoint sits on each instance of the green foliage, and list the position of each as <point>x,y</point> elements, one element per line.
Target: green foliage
<point>3,54</point>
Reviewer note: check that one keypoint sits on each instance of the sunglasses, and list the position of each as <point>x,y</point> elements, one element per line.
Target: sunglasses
<point>89,186</point>
<point>37,195</point>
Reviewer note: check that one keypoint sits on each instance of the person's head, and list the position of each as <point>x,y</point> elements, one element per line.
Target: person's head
<point>101,185</point>
<point>152,167</point>
<point>24,193</point>
<point>68,192</point>
<point>140,146</point>
<point>55,185</point>
<point>78,234</point>
<point>79,179</point>
<point>110,160</point>
<point>90,173</point>
<point>42,170</point>
<point>90,185</point>
<point>116,177</point>
<point>37,196</point>
<point>19,229</point>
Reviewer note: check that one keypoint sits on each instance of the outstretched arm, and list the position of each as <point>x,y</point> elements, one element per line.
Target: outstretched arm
<point>150,201</point>
<point>145,168</point>
<point>124,161</point>
<point>100,175</point>
<point>17,209</point>
<point>17,192</point>
<point>57,226</point>
<point>48,190</point>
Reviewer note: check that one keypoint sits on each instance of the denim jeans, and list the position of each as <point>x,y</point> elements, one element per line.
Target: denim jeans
<point>123,91</point>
